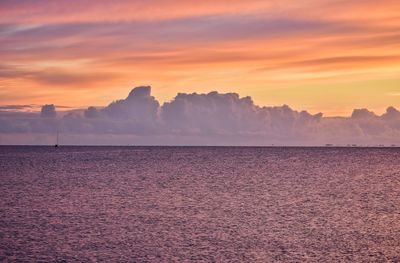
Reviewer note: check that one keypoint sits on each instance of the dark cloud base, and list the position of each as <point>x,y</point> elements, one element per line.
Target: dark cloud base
<point>197,119</point>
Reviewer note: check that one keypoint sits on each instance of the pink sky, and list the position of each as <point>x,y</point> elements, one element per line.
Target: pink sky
<point>329,56</point>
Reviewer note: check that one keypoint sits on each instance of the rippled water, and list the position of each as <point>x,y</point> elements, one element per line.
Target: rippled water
<point>222,204</point>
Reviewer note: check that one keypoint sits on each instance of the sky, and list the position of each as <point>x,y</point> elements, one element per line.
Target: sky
<point>290,67</point>
<point>326,56</point>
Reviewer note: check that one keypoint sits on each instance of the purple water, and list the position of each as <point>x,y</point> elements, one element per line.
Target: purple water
<point>208,204</point>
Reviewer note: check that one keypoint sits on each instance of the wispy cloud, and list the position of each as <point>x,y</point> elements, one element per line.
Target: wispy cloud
<point>53,76</point>
<point>15,107</point>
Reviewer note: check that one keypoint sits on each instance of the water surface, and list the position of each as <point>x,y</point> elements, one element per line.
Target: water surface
<point>208,204</point>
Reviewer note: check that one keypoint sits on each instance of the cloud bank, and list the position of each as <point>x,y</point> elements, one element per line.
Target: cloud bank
<point>196,119</point>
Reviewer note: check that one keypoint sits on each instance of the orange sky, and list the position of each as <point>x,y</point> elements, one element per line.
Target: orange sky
<point>328,56</point>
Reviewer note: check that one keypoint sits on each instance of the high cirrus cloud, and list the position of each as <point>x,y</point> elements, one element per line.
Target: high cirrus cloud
<point>205,119</point>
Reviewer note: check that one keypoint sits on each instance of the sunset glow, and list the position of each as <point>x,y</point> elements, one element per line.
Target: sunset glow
<point>320,56</point>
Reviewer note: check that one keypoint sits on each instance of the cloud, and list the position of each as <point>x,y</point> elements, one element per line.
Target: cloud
<point>362,114</point>
<point>137,114</point>
<point>52,75</point>
<point>205,119</point>
<point>345,61</point>
<point>139,106</point>
<point>48,111</point>
<point>212,112</point>
<point>391,114</point>
<point>230,115</point>
<point>15,107</point>
<point>77,39</point>
<point>91,113</point>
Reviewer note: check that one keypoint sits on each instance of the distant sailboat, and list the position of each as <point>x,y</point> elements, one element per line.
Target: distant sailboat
<point>58,135</point>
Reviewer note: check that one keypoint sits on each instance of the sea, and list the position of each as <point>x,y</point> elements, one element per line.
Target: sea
<point>199,204</point>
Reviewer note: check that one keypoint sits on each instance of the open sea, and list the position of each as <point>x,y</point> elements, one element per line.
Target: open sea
<point>199,204</point>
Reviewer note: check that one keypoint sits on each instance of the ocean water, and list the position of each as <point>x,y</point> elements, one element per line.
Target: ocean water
<point>199,204</point>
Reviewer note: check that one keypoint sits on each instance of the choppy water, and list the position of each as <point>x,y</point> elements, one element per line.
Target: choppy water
<point>211,204</point>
